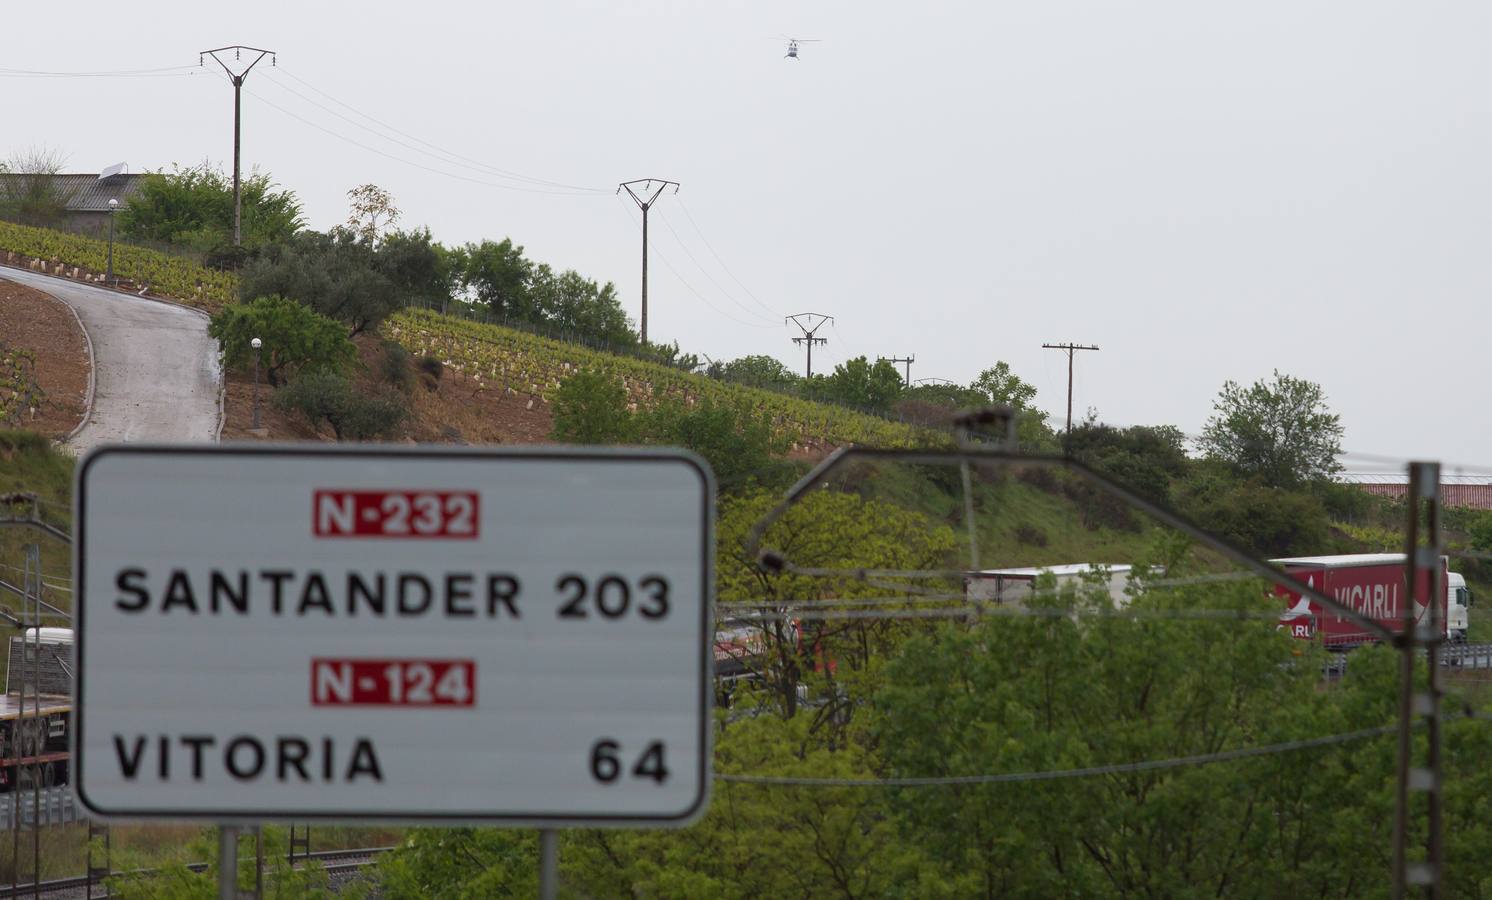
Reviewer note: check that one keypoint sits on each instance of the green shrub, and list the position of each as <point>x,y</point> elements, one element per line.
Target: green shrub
<point>395,367</point>
<point>590,407</point>
<point>352,414</point>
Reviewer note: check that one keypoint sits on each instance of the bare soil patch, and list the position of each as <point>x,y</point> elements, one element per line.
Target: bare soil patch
<point>449,410</point>
<point>32,320</point>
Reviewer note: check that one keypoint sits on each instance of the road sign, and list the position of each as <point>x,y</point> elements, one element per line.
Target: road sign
<point>375,633</point>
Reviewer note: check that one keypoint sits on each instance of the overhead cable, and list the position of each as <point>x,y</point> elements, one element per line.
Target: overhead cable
<point>711,248</point>
<point>164,71</point>
<point>407,162</point>
<point>632,216</point>
<point>506,173</point>
<point>443,156</point>
<point>727,294</point>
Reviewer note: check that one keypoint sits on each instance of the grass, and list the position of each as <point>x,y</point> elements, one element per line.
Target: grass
<point>30,464</point>
<point>1019,524</point>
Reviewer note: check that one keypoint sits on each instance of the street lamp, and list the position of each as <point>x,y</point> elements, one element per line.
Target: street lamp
<point>113,205</point>
<point>256,344</point>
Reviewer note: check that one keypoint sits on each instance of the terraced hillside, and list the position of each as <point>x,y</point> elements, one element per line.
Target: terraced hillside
<point>518,362</point>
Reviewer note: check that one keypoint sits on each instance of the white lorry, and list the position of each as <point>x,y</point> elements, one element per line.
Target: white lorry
<point>1016,585</point>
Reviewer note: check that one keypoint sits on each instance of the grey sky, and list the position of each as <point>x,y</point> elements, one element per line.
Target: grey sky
<point>1207,191</point>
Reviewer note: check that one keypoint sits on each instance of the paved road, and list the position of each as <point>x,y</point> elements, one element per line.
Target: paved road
<point>155,369</point>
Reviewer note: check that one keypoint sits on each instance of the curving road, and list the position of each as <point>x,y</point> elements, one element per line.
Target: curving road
<point>156,371</point>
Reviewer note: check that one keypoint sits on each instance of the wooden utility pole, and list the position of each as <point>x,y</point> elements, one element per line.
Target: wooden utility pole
<point>237,79</point>
<point>903,359</point>
<point>645,205</point>
<point>1070,349</point>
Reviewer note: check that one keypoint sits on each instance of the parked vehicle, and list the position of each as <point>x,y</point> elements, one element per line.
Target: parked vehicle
<point>35,724</point>
<point>1371,584</point>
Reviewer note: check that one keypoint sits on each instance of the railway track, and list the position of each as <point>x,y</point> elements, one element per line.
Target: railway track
<point>338,863</point>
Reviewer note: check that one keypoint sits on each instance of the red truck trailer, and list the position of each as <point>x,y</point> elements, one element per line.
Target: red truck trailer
<point>1371,584</point>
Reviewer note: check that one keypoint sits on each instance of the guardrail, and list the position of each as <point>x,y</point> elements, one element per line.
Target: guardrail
<point>357,859</point>
<point>57,807</point>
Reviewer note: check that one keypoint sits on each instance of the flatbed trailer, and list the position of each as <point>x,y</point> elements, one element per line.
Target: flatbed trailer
<point>36,737</point>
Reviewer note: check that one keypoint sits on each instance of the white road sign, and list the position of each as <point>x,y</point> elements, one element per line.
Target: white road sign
<point>372,633</point>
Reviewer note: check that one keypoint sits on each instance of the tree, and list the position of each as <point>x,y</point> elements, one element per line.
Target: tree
<point>1141,457</point>
<point>590,407</point>
<point>295,338</point>
<point>1068,692</point>
<point>497,274</point>
<point>29,192</point>
<point>193,208</point>
<point>859,384</point>
<point>353,414</point>
<point>764,372</point>
<point>1279,431</point>
<point>1267,521</point>
<point>339,275</point>
<point>826,530</point>
<point>998,385</point>
<point>415,265</point>
<point>1002,386</point>
<point>736,441</point>
<point>575,304</point>
<point>372,212</point>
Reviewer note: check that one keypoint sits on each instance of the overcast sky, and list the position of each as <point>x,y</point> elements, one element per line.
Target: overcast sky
<point>1206,191</point>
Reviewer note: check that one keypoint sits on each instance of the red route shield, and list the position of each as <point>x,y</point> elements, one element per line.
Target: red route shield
<point>393,682</point>
<point>396,514</point>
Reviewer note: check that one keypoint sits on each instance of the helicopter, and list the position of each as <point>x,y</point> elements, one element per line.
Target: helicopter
<point>792,45</point>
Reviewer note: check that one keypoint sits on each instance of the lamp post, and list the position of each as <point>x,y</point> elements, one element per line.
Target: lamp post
<point>256,344</point>
<point>113,205</point>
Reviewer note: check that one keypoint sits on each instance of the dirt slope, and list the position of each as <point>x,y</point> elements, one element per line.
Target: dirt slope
<point>31,320</point>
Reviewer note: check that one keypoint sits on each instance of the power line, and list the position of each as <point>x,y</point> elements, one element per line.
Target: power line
<point>356,143</point>
<point>710,278</point>
<point>106,73</point>
<point>1149,765</point>
<point>689,287</point>
<point>809,337</point>
<point>901,359</point>
<point>723,266</point>
<point>445,157</point>
<point>645,205</point>
<point>995,611</point>
<point>237,78</point>
<point>1070,349</point>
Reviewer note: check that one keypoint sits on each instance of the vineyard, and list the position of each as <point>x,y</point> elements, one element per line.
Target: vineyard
<point>19,392</point>
<point>517,362</point>
<point>87,258</point>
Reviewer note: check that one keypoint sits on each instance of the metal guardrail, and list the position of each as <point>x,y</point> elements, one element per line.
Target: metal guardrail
<point>354,859</point>
<point>57,807</point>
<point>1452,656</point>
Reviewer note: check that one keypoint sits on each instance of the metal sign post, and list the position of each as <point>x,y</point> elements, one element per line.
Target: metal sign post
<point>381,634</point>
<point>227,862</point>
<point>548,864</point>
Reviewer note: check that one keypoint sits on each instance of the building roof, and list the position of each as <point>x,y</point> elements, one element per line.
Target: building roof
<point>90,193</point>
<point>1060,571</point>
<point>1401,478</point>
<point>1345,560</point>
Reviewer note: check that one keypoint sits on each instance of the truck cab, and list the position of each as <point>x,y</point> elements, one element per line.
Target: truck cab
<point>1457,601</point>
